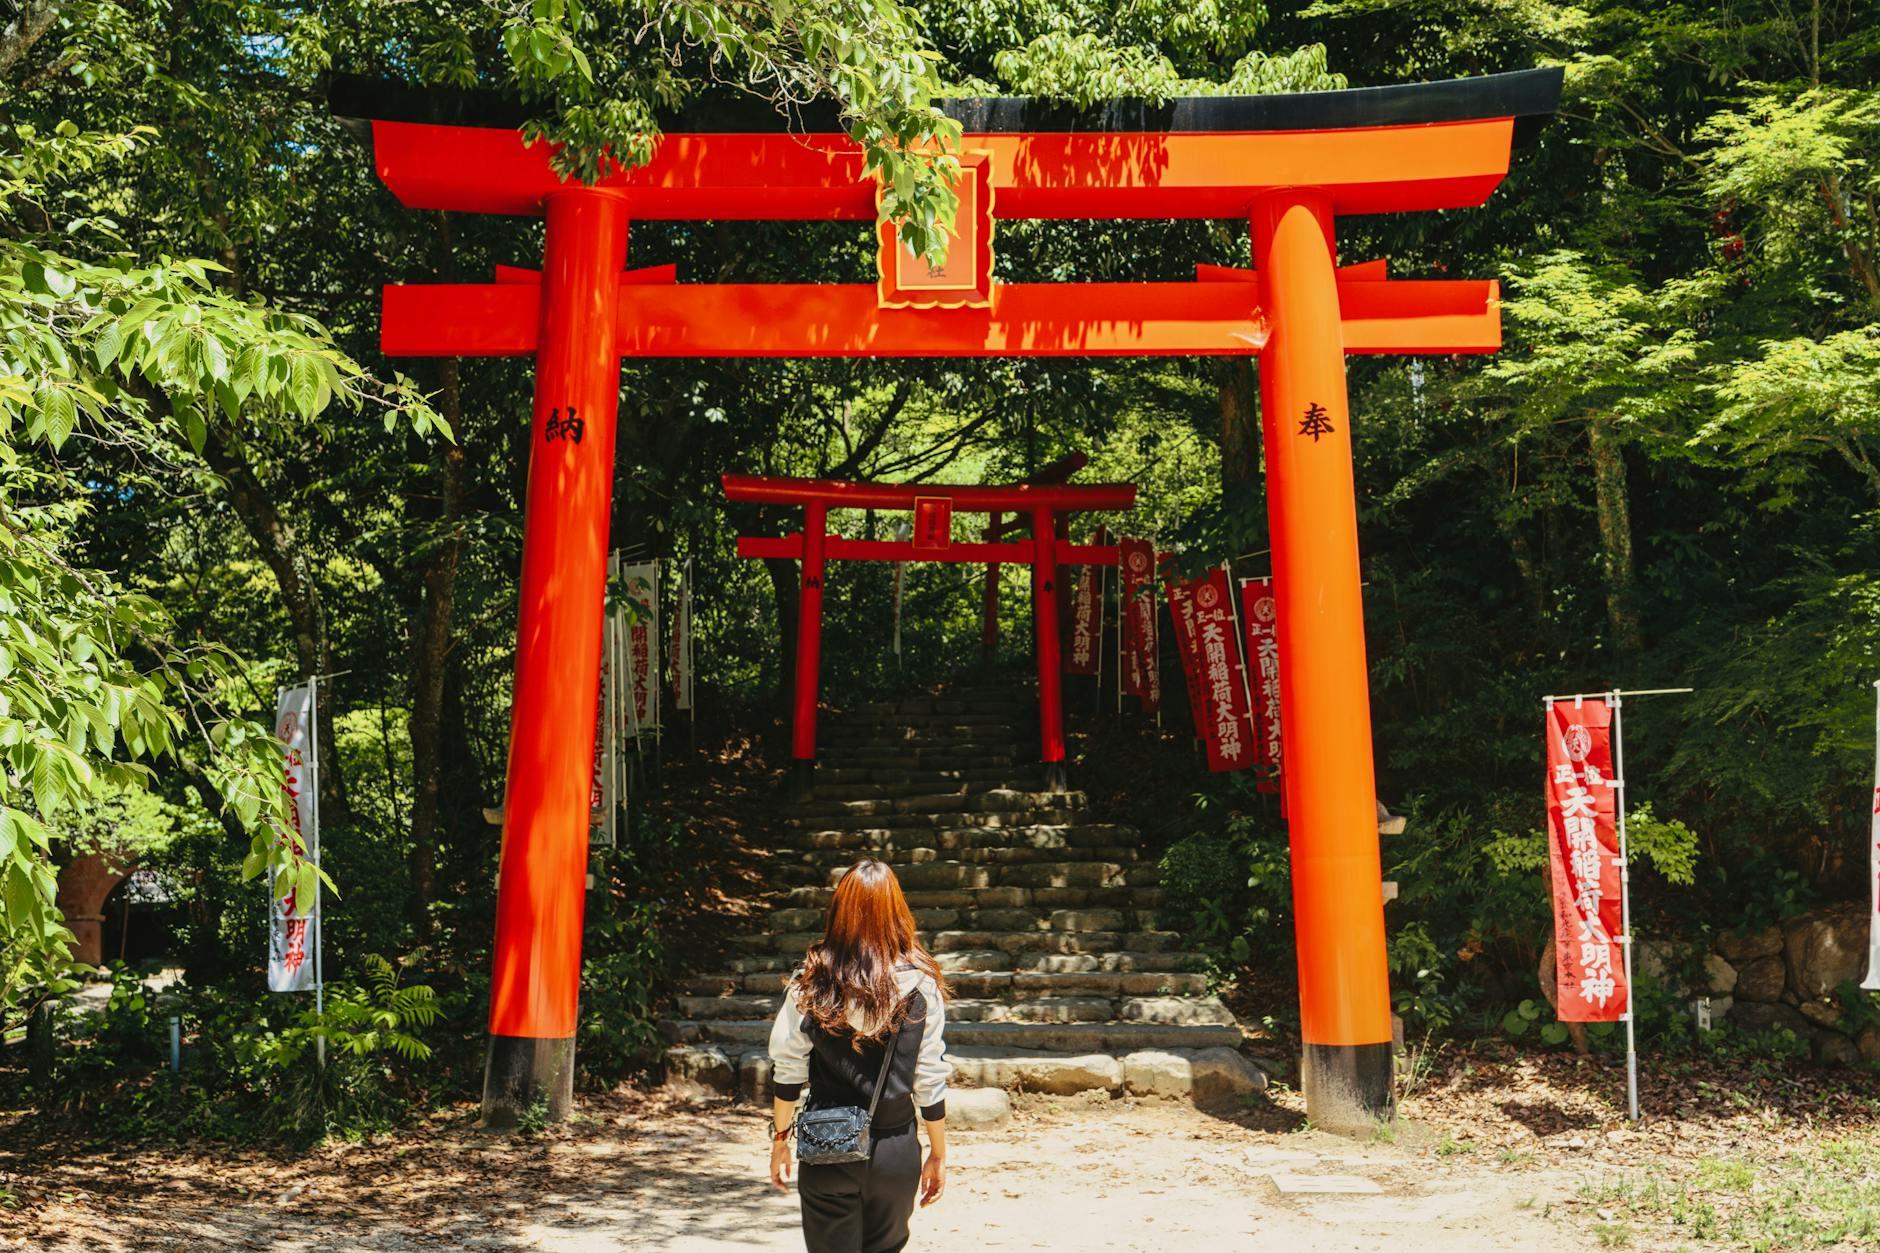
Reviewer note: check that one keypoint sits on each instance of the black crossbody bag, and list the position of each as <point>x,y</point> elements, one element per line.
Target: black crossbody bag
<point>830,1137</point>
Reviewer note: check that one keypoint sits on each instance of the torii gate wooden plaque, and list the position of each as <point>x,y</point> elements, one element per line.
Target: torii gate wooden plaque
<point>1287,165</point>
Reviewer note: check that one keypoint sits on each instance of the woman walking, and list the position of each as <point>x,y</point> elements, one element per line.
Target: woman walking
<point>861,1024</point>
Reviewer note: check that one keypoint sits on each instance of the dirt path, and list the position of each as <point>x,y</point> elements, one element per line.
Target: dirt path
<point>642,1175</point>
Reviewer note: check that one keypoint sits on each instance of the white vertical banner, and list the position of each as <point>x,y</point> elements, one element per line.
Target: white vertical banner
<point>605,798</point>
<point>640,583</point>
<point>1872,982</point>
<point>293,924</point>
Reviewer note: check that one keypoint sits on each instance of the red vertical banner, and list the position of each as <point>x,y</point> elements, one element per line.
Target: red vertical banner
<point>1583,851</point>
<point>1086,618</point>
<point>1229,724</point>
<point>1181,611</point>
<point>1259,615</point>
<point>1141,675</point>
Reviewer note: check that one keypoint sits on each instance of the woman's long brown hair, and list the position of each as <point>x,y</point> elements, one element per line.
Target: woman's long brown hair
<point>869,931</point>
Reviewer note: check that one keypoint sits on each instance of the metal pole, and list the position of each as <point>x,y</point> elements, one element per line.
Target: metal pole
<point>319,937</point>
<point>1617,783</point>
<point>1618,691</point>
<point>176,1044</point>
<point>1121,610</point>
<point>1102,576</point>
<point>1240,644</point>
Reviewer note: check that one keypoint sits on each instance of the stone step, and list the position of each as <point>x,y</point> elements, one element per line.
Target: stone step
<point>1201,1075</point>
<point>890,774</point>
<point>1022,918</point>
<point>1092,835</point>
<point>1042,1008</point>
<point>1146,899</point>
<point>936,729</point>
<point>915,848</point>
<point>1060,943</point>
<point>855,744</point>
<point>1078,1037</point>
<point>875,715</point>
<point>990,818</point>
<point>1065,943</point>
<point>965,960</point>
<point>991,800</point>
<point>765,972</point>
<point>889,789</point>
<point>1037,874</point>
<point>1002,983</point>
<point>850,757</point>
<point>997,702</point>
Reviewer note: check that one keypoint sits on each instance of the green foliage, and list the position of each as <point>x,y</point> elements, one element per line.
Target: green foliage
<point>1228,886</point>
<point>1669,846</point>
<point>1086,68</point>
<point>604,68</point>
<point>96,686</point>
<point>250,1063</point>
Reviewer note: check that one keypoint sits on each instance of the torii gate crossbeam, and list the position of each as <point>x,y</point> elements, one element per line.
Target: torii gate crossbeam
<point>1287,165</point>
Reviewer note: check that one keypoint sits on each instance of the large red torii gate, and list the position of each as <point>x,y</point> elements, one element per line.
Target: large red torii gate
<point>1045,504</point>
<point>1286,165</point>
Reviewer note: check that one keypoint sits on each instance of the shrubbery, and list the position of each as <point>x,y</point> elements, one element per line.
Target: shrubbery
<point>249,1060</point>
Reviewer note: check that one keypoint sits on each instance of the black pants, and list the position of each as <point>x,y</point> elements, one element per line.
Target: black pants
<point>863,1207</point>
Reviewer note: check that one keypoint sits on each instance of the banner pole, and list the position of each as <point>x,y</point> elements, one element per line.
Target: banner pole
<point>1240,646</point>
<point>319,924</point>
<point>1872,982</point>
<point>1121,609</point>
<point>1625,909</point>
<point>1102,575</point>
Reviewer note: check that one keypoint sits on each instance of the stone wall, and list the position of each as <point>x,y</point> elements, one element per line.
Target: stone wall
<point>1784,976</point>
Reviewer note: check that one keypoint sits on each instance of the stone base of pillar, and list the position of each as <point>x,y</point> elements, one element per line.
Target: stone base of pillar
<point>801,782</point>
<point>525,1077</point>
<point>1348,1087</point>
<point>1057,777</point>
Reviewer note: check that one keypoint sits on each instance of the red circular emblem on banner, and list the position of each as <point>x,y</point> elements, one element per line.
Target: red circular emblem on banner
<point>1207,597</point>
<point>1579,742</point>
<point>290,726</point>
<point>1139,562</point>
<point>1264,609</point>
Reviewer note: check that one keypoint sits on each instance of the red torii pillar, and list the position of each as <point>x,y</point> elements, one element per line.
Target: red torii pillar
<point>1059,471</point>
<point>535,981</point>
<point>1344,988</point>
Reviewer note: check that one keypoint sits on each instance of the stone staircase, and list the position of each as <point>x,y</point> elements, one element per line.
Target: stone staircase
<point>1042,915</point>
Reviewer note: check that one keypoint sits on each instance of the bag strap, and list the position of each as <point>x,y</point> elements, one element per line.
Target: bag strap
<point>887,1056</point>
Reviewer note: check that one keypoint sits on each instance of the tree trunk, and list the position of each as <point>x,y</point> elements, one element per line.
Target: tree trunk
<point>1615,535</point>
<point>1240,423</point>
<point>28,26</point>
<point>431,630</point>
<point>1514,530</point>
<point>293,574</point>
<point>430,637</point>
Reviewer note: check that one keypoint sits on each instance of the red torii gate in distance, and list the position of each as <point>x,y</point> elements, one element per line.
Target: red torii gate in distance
<point>1289,166</point>
<point>1045,504</point>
